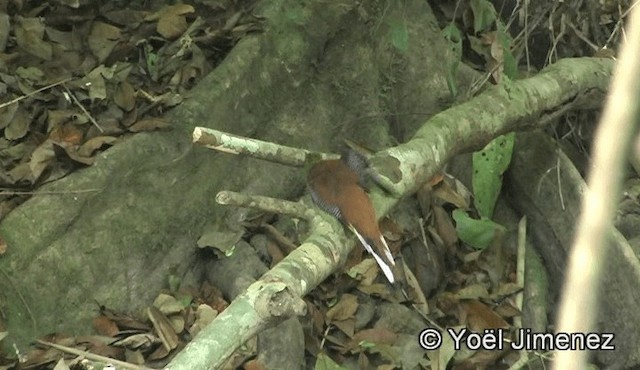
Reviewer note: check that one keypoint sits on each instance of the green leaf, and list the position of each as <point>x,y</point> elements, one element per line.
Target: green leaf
<point>488,166</point>
<point>366,345</point>
<point>477,233</point>
<point>452,34</point>
<point>324,362</point>
<point>174,283</point>
<point>399,35</point>
<point>484,14</point>
<point>510,63</point>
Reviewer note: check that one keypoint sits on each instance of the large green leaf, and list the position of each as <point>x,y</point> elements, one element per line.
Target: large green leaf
<point>488,166</point>
<point>477,233</point>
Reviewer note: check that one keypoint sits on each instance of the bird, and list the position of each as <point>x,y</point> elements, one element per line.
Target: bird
<point>337,188</point>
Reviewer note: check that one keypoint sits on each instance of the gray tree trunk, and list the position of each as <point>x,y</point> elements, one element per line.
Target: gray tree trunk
<point>320,72</point>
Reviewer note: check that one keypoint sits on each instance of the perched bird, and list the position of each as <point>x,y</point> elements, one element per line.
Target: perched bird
<point>337,188</point>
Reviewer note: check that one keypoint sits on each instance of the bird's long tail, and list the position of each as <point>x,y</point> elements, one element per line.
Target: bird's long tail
<point>385,266</point>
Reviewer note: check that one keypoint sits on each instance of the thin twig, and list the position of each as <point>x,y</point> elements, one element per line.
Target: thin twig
<point>86,113</point>
<point>267,204</point>
<point>11,192</point>
<point>34,92</point>
<point>93,356</point>
<point>279,238</point>
<point>520,276</point>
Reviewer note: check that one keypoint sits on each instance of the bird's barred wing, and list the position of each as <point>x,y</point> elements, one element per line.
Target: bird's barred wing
<point>331,209</point>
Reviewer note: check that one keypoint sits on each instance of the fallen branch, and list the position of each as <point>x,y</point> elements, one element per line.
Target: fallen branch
<point>276,296</point>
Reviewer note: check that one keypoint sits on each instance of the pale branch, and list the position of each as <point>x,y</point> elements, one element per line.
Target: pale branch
<point>267,204</point>
<point>234,144</point>
<point>93,356</point>
<point>259,307</point>
<point>469,126</point>
<point>511,106</point>
<point>614,137</point>
<point>520,276</point>
<point>270,300</point>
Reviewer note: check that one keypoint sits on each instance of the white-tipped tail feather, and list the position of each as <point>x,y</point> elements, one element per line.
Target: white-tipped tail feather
<point>386,269</point>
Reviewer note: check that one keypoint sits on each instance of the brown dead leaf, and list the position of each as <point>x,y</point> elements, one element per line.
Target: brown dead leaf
<point>68,154</point>
<point>366,271</point>
<point>480,360</point>
<point>363,361</point>
<point>61,365</point>
<point>134,357</point>
<point>506,290</point>
<point>507,308</point>
<point>472,257</point>
<point>149,124</point>
<point>480,317</point>
<point>171,26</point>
<point>30,74</point>
<point>163,327</point>
<point>125,96</point>
<point>347,326</point>
<point>29,33</point>
<point>255,364</point>
<point>7,113</point>
<point>436,179</point>
<point>413,289</point>
<point>317,317</point>
<point>425,198</point>
<point>178,9</point>
<point>338,342</point>
<point>204,316</point>
<point>177,322</point>
<point>102,39</point>
<point>68,134</point>
<point>160,353</point>
<point>125,17</point>
<point>39,357</point>
<point>387,367</point>
<point>65,40</point>
<point>141,341</point>
<point>447,302</point>
<point>90,146</point>
<point>15,153</point>
<point>21,173</point>
<point>444,226</point>
<point>57,117</point>
<point>167,304</point>
<point>448,191</point>
<point>393,233</point>
<point>19,124</point>
<point>344,309</point>
<point>98,345</point>
<point>124,321</point>
<point>5,28</point>
<point>212,296</point>
<point>105,326</point>
<point>472,291</point>
<point>377,290</point>
<point>41,158</point>
<point>95,81</point>
<point>275,252</point>
<point>374,335</point>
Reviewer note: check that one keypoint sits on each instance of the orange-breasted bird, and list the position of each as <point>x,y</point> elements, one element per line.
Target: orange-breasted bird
<point>337,188</point>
